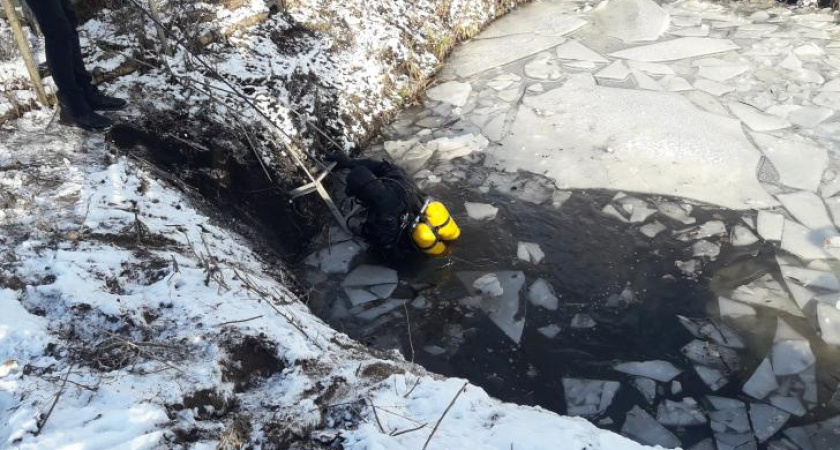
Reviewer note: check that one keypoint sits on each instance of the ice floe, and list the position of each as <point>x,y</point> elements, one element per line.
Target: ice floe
<point>367,283</point>
<point>453,92</point>
<point>828,320</point>
<point>680,414</point>
<point>632,20</point>
<point>762,382</point>
<point>646,387</point>
<point>574,50</point>
<point>588,397</point>
<point>541,293</point>
<point>800,164</point>
<point>481,211</point>
<point>766,420</point>
<point>662,371</point>
<point>582,321</point>
<point>675,49</point>
<point>617,71</point>
<point>642,427</point>
<point>530,252</point>
<point>500,299</point>
<point>731,308</point>
<point>711,161</point>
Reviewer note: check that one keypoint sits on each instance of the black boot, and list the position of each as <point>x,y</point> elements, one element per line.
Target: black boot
<point>101,102</point>
<point>79,114</point>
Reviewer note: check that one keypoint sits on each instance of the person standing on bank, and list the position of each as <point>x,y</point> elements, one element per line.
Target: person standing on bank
<point>78,97</point>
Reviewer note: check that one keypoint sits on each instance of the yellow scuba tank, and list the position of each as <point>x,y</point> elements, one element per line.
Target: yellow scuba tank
<point>433,227</point>
<point>438,217</point>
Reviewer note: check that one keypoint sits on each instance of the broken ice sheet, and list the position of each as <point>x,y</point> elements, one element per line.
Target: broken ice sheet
<point>730,416</point>
<point>652,229</point>
<point>680,414</point>
<point>762,382</point>
<point>713,378</point>
<point>712,355</point>
<point>337,258</point>
<point>481,211</point>
<point>731,308</point>
<point>641,427</point>
<point>530,252</point>
<point>631,20</point>
<point>770,225</point>
<point>712,228</point>
<point>708,329</point>
<point>646,387</point>
<point>503,308</point>
<point>582,321</point>
<point>674,49</point>
<point>828,321</point>
<point>574,50</point>
<point>742,236</point>
<point>544,67</point>
<point>677,212</point>
<point>588,397</point>
<point>616,71</point>
<point>757,120</point>
<point>541,293</point>
<point>735,441</point>
<point>705,249</point>
<point>657,370</point>
<point>453,92</point>
<point>550,331</point>
<point>766,420</point>
<point>367,283</point>
<point>791,353</point>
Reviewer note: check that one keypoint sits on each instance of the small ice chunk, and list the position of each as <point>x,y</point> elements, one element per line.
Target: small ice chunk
<point>632,20</point>
<point>766,420</point>
<point>767,292</point>
<point>453,92</point>
<point>676,212</point>
<point>616,71</point>
<point>588,397</point>
<point>804,243</point>
<point>701,31</point>
<point>582,321</point>
<point>673,83</point>
<point>361,282</point>
<point>713,378</point>
<point>645,82</point>
<point>337,258</point>
<point>646,387</point>
<point>705,249</point>
<point>434,350</point>
<point>689,268</point>
<point>641,427</point>
<point>541,293</point>
<point>770,225</point>
<point>420,302</point>
<point>451,147</point>
<point>735,441</point>
<point>676,388</point>
<point>543,67</point>
<point>828,320</point>
<point>550,331</point>
<point>651,68</point>
<point>792,405</point>
<point>713,87</point>
<point>611,211</point>
<point>652,229</point>
<point>722,73</point>
<point>625,298</point>
<point>489,285</point>
<point>712,228</point>
<point>800,164</point>
<point>762,382</point>
<point>574,50</point>
<point>759,16</point>
<point>809,209</point>
<point>658,370</point>
<point>481,211</point>
<point>731,308</point>
<point>380,310</point>
<point>708,329</point>
<point>680,414</point>
<point>506,80</point>
<point>530,252</point>
<point>757,120</point>
<point>742,236</point>
<point>711,355</point>
<point>790,357</point>
<point>728,416</point>
<point>675,49</point>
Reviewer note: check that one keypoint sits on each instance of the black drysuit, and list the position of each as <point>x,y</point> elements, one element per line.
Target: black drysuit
<point>392,201</point>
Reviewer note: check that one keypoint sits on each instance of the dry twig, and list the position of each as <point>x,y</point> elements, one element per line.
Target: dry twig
<point>434,430</point>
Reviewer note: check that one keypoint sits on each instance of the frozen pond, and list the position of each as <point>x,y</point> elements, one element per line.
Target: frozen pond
<point>649,223</point>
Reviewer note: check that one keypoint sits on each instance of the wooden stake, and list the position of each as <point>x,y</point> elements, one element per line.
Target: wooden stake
<point>17,31</point>
<point>164,44</point>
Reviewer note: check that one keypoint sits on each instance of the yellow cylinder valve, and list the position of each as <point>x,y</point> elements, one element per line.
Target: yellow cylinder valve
<point>438,217</point>
<point>427,240</point>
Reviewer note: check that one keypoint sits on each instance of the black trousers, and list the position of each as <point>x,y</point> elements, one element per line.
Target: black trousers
<point>57,19</point>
